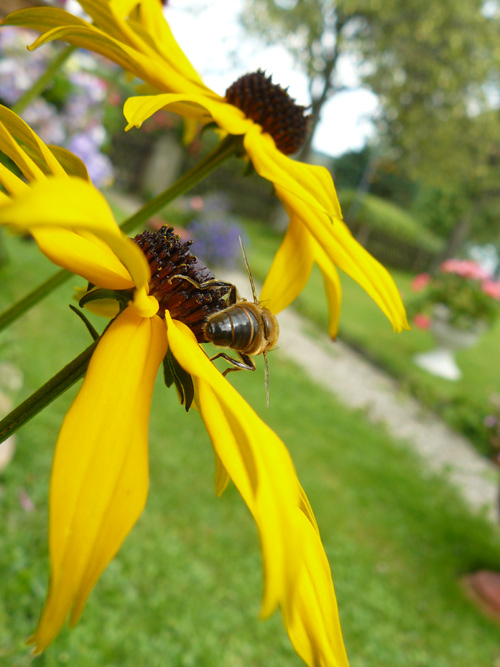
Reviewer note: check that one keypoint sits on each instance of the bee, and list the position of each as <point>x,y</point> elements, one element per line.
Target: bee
<point>244,326</point>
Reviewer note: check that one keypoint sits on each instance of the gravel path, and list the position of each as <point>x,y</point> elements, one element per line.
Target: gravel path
<point>359,384</point>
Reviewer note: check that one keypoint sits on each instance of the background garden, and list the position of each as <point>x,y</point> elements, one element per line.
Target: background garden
<point>185,588</point>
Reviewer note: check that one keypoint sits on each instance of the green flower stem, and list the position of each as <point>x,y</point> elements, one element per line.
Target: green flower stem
<point>209,163</point>
<point>46,394</point>
<point>44,81</point>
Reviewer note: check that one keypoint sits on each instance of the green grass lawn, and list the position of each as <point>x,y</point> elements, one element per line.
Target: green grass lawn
<point>185,588</point>
<point>463,404</point>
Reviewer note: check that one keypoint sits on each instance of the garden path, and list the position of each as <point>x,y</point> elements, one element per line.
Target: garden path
<point>359,384</point>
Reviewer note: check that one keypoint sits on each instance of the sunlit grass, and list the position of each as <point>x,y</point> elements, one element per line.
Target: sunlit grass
<point>185,588</point>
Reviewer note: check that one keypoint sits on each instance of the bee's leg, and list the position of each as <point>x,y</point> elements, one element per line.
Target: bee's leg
<point>231,289</point>
<point>246,363</point>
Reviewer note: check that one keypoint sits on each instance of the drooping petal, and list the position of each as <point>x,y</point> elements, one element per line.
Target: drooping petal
<point>71,164</point>
<point>311,184</point>
<point>313,624</point>
<point>77,207</point>
<point>12,183</point>
<point>309,195</point>
<point>296,571</point>
<point>333,288</point>
<point>99,477</point>
<point>4,199</point>
<point>150,30</point>
<point>290,269</point>
<point>12,150</point>
<point>344,251</point>
<point>254,457</point>
<point>39,152</point>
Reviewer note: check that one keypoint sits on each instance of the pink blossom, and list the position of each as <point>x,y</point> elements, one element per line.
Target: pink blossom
<point>465,268</point>
<point>420,281</point>
<point>197,203</point>
<point>422,321</point>
<point>491,288</point>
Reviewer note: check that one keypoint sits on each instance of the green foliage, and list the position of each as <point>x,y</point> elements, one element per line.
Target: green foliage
<point>380,176</point>
<point>438,208</point>
<point>385,216</point>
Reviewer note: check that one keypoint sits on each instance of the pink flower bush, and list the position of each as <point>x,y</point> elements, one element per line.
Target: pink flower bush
<point>468,293</point>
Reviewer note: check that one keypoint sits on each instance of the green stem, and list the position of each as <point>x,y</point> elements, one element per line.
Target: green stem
<point>44,81</point>
<point>209,163</point>
<point>46,394</point>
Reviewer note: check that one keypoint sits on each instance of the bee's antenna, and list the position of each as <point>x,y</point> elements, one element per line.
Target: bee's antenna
<point>254,293</point>
<point>264,354</point>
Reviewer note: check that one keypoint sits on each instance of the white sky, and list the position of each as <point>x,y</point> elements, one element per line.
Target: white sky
<point>211,37</point>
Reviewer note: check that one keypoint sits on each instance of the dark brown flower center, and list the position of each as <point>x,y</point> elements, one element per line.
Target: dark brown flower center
<point>184,300</point>
<point>270,106</point>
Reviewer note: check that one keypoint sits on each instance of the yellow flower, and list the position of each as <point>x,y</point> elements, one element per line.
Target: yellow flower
<point>134,34</point>
<point>99,478</point>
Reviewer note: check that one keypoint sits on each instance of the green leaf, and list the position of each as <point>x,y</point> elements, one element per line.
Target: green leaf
<point>174,373</point>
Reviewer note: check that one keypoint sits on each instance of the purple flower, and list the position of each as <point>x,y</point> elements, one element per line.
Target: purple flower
<point>98,165</point>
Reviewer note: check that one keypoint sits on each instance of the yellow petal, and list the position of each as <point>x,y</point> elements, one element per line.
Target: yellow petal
<point>344,251</point>
<point>74,204</point>
<point>4,199</point>
<point>87,256</point>
<point>297,574</point>
<point>108,308</point>
<point>12,183</point>
<point>290,269</point>
<point>255,459</point>
<point>40,153</point>
<point>152,31</point>
<point>71,164</point>
<point>313,623</point>
<point>192,106</point>
<point>11,148</point>
<point>221,476</point>
<point>138,109</point>
<point>99,477</point>
<point>311,184</point>
<point>333,288</point>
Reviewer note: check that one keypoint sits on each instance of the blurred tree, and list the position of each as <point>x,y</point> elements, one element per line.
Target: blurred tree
<point>435,69</point>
